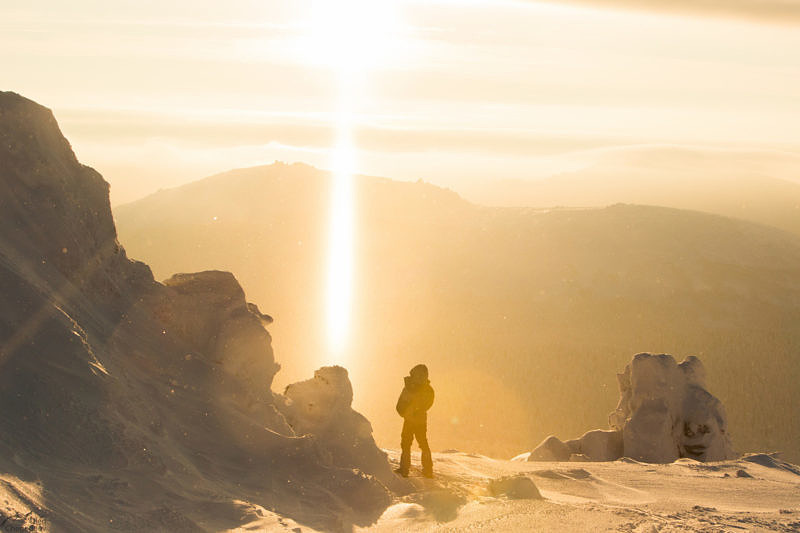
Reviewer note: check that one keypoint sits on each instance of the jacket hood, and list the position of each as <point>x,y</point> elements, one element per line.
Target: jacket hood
<point>413,383</point>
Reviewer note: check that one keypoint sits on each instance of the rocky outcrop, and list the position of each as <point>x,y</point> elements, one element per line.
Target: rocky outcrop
<point>138,405</point>
<point>209,310</point>
<point>55,211</point>
<point>664,413</point>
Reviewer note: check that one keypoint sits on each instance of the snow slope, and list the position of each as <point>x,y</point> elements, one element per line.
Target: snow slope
<point>756,493</point>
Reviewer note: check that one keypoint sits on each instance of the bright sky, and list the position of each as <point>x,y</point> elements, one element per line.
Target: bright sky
<point>155,93</point>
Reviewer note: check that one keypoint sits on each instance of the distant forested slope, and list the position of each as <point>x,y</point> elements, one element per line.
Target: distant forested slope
<point>524,316</point>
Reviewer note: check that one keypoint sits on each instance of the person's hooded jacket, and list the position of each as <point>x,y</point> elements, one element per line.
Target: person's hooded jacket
<point>416,397</point>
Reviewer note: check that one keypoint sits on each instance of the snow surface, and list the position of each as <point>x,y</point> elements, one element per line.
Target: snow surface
<point>623,495</point>
<point>756,493</point>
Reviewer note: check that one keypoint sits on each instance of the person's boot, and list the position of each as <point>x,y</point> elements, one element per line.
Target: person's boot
<point>428,474</point>
<point>401,472</point>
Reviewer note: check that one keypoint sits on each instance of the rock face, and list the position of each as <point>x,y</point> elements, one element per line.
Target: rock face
<point>53,210</point>
<point>210,310</point>
<point>664,413</point>
<point>136,405</point>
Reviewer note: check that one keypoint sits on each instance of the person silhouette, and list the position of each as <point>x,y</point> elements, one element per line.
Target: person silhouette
<point>413,404</point>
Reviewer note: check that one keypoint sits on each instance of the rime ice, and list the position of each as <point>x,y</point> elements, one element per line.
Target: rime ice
<point>664,413</point>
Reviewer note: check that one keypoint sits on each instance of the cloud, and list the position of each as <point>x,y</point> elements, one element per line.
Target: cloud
<point>773,11</point>
<point>209,132</point>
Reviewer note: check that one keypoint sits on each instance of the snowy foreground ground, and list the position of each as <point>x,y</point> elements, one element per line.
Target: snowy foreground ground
<point>755,494</point>
<point>760,494</point>
<point>617,496</point>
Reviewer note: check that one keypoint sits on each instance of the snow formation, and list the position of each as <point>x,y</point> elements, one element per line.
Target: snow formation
<point>664,413</point>
<point>321,406</point>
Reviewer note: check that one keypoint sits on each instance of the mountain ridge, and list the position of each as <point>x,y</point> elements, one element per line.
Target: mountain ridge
<point>693,182</point>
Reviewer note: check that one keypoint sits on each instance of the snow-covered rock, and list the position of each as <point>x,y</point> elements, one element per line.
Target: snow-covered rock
<point>664,413</point>
<point>600,445</point>
<point>322,407</point>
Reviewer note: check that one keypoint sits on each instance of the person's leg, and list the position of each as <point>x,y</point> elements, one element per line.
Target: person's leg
<point>421,432</point>
<point>406,438</point>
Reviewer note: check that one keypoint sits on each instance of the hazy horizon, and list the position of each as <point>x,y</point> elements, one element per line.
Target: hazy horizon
<point>154,96</point>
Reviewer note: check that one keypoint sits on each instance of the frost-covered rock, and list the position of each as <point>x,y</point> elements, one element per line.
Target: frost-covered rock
<point>601,445</point>
<point>664,413</point>
<point>322,407</point>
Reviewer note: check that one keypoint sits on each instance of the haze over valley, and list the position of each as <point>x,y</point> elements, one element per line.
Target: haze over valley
<point>528,312</point>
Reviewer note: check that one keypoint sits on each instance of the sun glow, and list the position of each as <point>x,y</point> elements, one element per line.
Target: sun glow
<point>349,38</point>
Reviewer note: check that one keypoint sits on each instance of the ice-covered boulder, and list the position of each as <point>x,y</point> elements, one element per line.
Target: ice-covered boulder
<point>664,413</point>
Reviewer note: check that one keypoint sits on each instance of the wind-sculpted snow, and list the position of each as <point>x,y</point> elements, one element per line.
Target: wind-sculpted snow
<point>127,404</point>
<point>756,493</point>
<point>664,413</point>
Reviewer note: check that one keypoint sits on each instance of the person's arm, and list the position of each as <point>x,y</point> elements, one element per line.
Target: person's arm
<point>426,398</point>
<point>403,402</point>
